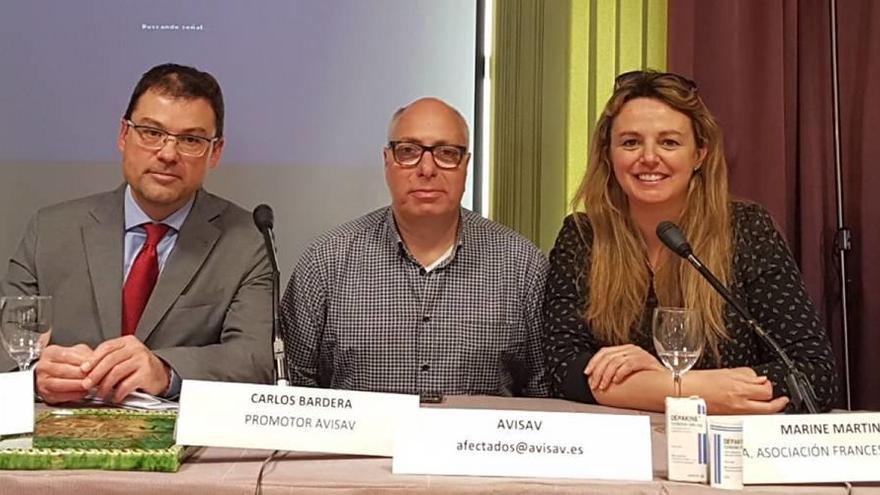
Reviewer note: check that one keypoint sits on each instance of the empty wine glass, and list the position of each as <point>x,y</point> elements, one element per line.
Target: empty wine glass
<point>25,326</point>
<point>678,339</point>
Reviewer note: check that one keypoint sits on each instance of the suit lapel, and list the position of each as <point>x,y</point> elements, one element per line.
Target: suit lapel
<point>195,241</point>
<point>103,242</point>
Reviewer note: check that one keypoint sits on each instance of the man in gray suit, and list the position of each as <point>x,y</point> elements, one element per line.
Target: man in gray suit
<point>158,280</point>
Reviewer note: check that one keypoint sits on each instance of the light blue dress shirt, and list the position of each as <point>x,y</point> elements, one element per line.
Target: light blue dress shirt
<point>136,236</point>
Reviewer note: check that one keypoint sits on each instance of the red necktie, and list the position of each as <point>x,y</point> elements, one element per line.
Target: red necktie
<point>141,278</point>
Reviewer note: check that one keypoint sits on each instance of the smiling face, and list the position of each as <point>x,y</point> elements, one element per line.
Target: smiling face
<point>654,154</point>
<point>163,180</point>
<point>425,190</point>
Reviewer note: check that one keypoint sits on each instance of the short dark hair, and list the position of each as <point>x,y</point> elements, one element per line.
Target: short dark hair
<point>180,81</point>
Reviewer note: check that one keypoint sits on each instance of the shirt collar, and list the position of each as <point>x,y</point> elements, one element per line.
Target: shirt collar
<point>397,241</point>
<point>135,216</point>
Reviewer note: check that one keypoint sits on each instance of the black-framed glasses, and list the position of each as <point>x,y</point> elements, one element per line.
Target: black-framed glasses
<point>154,138</point>
<point>408,154</point>
<point>647,76</point>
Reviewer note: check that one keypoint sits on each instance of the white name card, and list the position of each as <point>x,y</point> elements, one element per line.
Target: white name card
<point>17,406</point>
<point>811,448</point>
<point>482,442</point>
<point>216,414</point>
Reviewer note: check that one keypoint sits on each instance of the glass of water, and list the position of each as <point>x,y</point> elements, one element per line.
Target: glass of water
<point>678,339</point>
<point>25,326</point>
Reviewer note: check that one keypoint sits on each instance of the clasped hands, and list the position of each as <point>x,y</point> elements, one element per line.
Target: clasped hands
<point>725,390</point>
<point>114,369</point>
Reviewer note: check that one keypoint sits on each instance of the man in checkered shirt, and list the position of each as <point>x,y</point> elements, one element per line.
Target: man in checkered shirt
<point>423,296</point>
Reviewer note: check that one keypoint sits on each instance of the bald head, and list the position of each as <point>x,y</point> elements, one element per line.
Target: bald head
<point>425,190</point>
<point>433,109</point>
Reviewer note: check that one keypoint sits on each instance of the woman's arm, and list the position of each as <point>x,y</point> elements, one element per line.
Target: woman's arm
<point>726,391</point>
<point>778,301</point>
<point>569,343</point>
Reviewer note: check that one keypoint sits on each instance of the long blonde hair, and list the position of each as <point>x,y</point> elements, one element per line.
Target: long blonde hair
<point>618,271</point>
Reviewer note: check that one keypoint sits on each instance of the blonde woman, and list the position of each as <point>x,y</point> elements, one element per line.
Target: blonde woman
<point>657,155</point>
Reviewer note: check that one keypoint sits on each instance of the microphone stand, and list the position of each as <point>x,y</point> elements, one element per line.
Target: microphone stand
<point>277,341</point>
<point>800,389</point>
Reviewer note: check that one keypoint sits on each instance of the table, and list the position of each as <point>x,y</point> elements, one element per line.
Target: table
<point>216,471</point>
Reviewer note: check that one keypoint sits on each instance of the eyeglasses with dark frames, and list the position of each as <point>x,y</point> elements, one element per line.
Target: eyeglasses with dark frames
<point>408,154</point>
<point>153,138</point>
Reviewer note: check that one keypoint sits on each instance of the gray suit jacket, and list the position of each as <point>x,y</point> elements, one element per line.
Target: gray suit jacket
<point>209,315</point>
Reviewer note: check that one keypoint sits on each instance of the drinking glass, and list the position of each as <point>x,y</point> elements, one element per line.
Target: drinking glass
<point>25,326</point>
<point>678,339</point>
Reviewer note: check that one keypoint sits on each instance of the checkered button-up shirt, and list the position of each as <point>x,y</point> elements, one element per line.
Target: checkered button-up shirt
<point>360,312</point>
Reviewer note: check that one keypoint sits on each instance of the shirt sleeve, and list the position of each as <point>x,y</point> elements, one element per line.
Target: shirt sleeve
<point>533,354</point>
<point>569,344</point>
<point>303,310</point>
<point>174,384</point>
<point>778,301</point>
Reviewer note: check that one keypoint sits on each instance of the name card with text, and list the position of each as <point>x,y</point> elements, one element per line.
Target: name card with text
<point>17,405</point>
<point>216,414</point>
<point>483,442</point>
<point>811,448</point>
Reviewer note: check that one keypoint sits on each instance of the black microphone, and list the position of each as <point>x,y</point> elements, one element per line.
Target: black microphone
<point>264,219</point>
<point>672,237</point>
<point>802,393</point>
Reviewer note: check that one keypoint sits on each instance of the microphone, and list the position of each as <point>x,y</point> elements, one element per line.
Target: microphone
<point>672,237</point>
<point>264,219</point>
<point>801,391</point>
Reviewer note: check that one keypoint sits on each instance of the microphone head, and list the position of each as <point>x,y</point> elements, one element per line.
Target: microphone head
<point>674,238</point>
<point>264,219</point>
